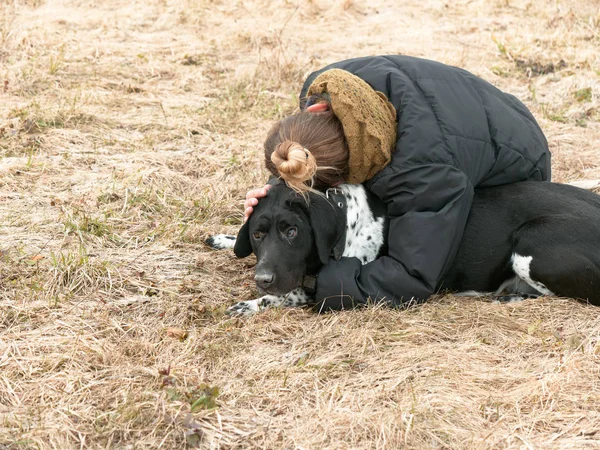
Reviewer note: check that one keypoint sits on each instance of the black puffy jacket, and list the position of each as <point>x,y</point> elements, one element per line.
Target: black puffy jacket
<point>455,132</point>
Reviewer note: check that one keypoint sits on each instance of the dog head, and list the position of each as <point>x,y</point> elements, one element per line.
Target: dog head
<point>290,236</point>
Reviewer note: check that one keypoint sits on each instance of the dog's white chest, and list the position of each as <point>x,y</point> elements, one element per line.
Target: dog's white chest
<point>364,233</point>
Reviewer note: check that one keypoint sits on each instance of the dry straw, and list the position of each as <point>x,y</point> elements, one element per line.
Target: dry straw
<point>129,132</point>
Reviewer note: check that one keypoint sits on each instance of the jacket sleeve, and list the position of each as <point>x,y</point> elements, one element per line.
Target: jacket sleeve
<point>428,206</point>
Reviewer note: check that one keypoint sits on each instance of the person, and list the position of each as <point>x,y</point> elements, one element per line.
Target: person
<point>421,136</point>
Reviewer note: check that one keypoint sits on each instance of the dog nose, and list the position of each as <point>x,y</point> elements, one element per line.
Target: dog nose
<point>264,279</point>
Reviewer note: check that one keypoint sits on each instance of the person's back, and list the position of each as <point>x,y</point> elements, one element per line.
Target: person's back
<point>446,112</point>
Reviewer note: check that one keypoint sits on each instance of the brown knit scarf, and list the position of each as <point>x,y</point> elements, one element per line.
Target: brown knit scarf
<point>367,117</point>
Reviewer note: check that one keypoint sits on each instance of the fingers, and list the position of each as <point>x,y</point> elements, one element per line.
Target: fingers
<point>252,199</point>
<point>318,107</point>
<point>247,213</point>
<point>253,193</point>
<point>263,190</point>
<point>258,193</point>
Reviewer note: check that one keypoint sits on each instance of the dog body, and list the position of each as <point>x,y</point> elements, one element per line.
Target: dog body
<point>523,239</point>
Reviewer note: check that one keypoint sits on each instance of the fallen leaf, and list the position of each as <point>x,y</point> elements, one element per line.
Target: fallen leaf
<point>166,371</point>
<point>177,333</point>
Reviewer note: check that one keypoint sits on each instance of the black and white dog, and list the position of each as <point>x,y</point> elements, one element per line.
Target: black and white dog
<point>523,239</point>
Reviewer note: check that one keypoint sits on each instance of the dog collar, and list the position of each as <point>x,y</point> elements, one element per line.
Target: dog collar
<point>337,197</point>
<point>309,284</point>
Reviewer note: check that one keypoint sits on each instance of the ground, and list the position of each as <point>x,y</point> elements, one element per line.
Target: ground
<point>130,131</point>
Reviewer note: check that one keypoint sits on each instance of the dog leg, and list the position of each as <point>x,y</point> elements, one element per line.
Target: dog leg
<point>512,298</point>
<point>293,299</point>
<point>220,241</point>
<point>558,255</point>
<point>249,307</point>
<point>296,298</point>
<point>514,289</point>
<point>498,297</point>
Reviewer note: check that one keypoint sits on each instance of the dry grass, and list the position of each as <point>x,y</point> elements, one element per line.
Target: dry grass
<point>129,131</point>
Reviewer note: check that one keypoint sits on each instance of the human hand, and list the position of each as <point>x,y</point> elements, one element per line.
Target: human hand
<point>318,107</point>
<point>252,200</point>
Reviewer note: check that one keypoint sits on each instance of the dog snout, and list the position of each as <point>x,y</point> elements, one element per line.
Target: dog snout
<point>264,279</point>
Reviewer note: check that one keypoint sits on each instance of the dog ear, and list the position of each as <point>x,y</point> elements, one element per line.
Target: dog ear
<point>242,247</point>
<point>327,226</point>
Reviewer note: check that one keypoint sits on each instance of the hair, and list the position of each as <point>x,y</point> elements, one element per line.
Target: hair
<point>308,151</point>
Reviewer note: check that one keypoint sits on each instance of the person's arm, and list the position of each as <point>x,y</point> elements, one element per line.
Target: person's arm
<point>428,206</point>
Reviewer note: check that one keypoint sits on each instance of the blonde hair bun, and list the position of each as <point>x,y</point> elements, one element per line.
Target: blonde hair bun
<point>295,164</point>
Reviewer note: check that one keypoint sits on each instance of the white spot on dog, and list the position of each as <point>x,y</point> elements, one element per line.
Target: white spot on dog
<point>293,299</point>
<point>364,233</point>
<point>246,308</point>
<point>522,267</point>
<point>221,241</point>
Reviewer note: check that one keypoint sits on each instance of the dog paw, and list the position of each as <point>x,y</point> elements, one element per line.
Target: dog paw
<point>220,241</point>
<point>247,308</point>
<point>513,298</point>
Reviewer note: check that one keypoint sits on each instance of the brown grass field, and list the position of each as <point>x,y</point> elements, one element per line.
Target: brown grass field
<point>130,131</point>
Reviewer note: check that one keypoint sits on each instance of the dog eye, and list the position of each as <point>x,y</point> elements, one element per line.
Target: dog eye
<point>257,235</point>
<point>291,232</point>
